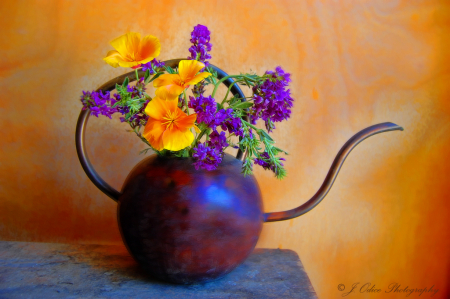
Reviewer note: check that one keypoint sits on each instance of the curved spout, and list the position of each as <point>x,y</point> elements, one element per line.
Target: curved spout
<point>332,173</point>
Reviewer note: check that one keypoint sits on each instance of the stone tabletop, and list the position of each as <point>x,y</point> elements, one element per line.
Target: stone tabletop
<point>47,270</point>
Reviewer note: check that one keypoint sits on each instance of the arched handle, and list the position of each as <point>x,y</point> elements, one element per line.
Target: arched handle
<point>109,86</point>
<point>332,173</point>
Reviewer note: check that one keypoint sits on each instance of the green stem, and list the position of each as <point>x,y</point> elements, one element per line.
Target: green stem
<point>226,95</point>
<point>185,102</point>
<point>221,80</point>
<point>137,74</point>
<point>250,125</point>
<point>228,77</point>
<point>200,136</point>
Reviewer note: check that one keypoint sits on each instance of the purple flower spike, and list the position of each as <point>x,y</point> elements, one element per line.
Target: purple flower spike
<point>272,101</point>
<point>205,107</point>
<point>200,38</point>
<point>218,141</point>
<point>149,66</point>
<point>225,119</point>
<point>98,103</point>
<point>206,157</point>
<point>265,162</point>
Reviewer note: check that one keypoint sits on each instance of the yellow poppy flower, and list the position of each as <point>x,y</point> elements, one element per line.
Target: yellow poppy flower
<point>168,127</point>
<point>170,86</point>
<point>132,51</point>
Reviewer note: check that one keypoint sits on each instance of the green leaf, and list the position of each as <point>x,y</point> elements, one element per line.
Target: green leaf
<point>280,150</point>
<point>243,105</point>
<point>169,69</point>
<point>154,77</point>
<point>266,136</point>
<point>147,74</point>
<point>125,82</point>
<point>115,104</point>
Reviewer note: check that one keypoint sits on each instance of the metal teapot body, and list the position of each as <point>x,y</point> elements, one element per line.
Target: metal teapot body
<point>184,225</point>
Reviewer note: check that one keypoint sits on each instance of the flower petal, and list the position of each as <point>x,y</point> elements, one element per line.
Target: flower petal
<point>166,79</point>
<point>153,132</point>
<point>175,140</point>
<point>150,47</point>
<point>198,78</point>
<point>113,58</point>
<point>189,68</point>
<point>127,45</point>
<point>168,86</point>
<point>197,129</point>
<point>169,92</point>
<point>185,122</point>
<point>130,63</point>
<point>158,108</point>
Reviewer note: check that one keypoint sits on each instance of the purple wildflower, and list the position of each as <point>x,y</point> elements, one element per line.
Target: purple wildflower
<point>221,116</point>
<point>98,103</point>
<point>136,90</point>
<point>152,64</point>
<point>198,89</point>
<point>139,118</point>
<point>140,86</point>
<point>218,141</point>
<point>234,125</point>
<point>181,103</point>
<point>135,120</point>
<point>200,38</point>
<point>250,133</point>
<point>206,157</point>
<point>121,109</point>
<point>205,107</point>
<point>272,101</point>
<point>263,161</point>
<point>266,163</point>
<point>227,121</point>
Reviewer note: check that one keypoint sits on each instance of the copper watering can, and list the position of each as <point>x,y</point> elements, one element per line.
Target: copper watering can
<point>187,226</point>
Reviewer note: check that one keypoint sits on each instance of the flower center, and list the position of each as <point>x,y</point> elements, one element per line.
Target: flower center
<point>169,119</point>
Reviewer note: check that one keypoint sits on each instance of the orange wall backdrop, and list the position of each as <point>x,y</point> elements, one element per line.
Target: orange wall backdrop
<point>353,64</point>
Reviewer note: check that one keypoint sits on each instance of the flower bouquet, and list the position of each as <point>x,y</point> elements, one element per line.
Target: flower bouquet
<point>200,126</point>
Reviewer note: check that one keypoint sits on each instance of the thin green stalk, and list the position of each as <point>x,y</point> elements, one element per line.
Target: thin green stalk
<point>220,81</point>
<point>137,74</point>
<point>228,77</point>
<point>185,102</point>
<point>226,95</point>
<point>250,125</point>
<point>200,136</point>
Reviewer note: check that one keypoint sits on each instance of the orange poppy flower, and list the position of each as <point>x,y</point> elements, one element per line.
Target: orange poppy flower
<point>168,127</point>
<point>132,51</point>
<point>170,86</point>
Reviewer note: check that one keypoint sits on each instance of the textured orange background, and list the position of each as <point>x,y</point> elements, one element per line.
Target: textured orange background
<point>353,63</point>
